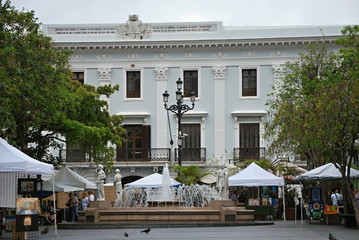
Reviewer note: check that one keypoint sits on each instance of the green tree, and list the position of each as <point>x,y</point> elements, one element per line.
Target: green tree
<point>41,107</point>
<point>315,109</point>
<point>189,175</point>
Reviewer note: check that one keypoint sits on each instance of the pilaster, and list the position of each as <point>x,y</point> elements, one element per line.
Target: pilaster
<point>219,75</point>
<point>105,79</point>
<point>162,124</point>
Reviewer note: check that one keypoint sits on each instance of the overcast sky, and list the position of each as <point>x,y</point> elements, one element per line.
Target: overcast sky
<point>230,12</point>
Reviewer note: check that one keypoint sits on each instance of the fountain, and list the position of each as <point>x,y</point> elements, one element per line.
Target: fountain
<point>169,203</point>
<point>165,195</point>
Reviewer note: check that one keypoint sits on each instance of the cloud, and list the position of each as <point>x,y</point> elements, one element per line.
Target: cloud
<point>231,12</point>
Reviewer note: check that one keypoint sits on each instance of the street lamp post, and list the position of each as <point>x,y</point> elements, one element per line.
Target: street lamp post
<point>179,109</point>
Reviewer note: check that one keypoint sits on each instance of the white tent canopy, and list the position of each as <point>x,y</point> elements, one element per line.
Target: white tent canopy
<point>326,172</point>
<point>13,160</point>
<point>153,180</point>
<point>67,180</point>
<point>254,176</point>
<point>15,164</point>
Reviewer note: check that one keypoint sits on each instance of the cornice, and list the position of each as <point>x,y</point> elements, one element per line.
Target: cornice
<point>190,43</point>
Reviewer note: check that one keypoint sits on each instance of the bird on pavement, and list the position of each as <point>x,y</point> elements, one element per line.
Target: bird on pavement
<point>331,237</point>
<point>46,230</point>
<point>147,230</point>
<point>125,234</point>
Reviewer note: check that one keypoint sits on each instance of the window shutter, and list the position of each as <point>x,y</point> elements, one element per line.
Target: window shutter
<point>146,136</point>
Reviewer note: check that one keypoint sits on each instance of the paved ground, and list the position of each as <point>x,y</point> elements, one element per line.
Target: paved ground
<point>280,230</point>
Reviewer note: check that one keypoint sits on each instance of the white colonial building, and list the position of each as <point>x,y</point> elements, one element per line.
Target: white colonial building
<point>230,70</point>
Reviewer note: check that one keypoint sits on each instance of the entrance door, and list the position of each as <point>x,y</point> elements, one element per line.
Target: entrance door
<point>191,148</point>
<point>137,146</point>
<point>249,141</point>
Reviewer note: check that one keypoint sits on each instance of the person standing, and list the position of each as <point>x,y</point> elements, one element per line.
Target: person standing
<point>73,204</point>
<point>84,201</point>
<point>91,197</point>
<point>336,198</point>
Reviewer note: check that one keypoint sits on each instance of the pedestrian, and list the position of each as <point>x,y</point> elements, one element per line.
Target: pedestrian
<point>73,205</point>
<point>48,214</point>
<point>91,197</point>
<point>84,201</point>
<point>337,198</point>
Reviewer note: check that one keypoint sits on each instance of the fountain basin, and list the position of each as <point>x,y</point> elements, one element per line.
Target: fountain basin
<point>164,203</point>
<point>218,211</point>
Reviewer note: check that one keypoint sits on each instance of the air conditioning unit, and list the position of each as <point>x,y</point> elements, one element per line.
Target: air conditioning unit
<point>155,169</point>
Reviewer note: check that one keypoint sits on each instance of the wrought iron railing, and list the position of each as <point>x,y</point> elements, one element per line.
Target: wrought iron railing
<point>192,154</point>
<point>243,154</point>
<point>143,154</point>
<point>73,155</point>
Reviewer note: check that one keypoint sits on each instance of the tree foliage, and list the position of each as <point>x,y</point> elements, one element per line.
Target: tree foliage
<point>189,175</point>
<point>41,107</point>
<point>315,108</point>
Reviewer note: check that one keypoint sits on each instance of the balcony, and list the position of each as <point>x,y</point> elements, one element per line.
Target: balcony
<point>243,154</point>
<point>192,154</point>
<point>143,154</point>
<point>73,155</point>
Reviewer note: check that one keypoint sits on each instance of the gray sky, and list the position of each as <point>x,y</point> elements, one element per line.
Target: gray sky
<point>230,12</point>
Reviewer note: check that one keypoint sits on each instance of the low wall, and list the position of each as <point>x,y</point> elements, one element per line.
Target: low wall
<point>219,211</point>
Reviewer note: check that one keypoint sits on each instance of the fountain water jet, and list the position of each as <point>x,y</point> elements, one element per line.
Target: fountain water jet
<point>165,195</point>
<point>169,203</point>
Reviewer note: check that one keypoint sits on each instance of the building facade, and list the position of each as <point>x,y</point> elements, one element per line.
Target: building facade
<point>230,70</point>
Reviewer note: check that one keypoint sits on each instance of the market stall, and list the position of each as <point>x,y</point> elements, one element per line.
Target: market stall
<point>154,180</point>
<point>327,172</point>
<point>15,170</point>
<point>66,180</point>
<point>255,176</point>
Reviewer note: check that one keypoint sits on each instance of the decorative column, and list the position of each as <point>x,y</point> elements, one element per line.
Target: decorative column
<point>162,125</point>
<point>219,75</point>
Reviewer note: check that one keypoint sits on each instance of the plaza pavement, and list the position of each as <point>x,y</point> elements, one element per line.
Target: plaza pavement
<point>279,230</point>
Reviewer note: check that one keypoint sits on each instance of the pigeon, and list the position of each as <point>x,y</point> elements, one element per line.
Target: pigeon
<point>147,230</point>
<point>46,230</point>
<point>125,234</point>
<point>331,237</point>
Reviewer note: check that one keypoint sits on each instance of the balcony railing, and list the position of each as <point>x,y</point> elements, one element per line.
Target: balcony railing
<point>243,154</point>
<point>73,155</point>
<point>192,154</point>
<point>143,154</point>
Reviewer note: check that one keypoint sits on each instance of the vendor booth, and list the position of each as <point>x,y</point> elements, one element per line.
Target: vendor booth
<point>327,172</point>
<point>152,181</point>
<point>66,180</point>
<point>15,170</point>
<point>255,176</point>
